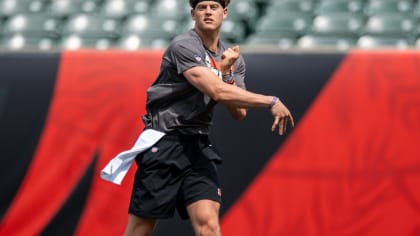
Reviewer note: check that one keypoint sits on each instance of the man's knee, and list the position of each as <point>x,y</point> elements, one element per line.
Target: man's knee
<point>208,227</point>
<point>139,226</point>
<point>205,218</point>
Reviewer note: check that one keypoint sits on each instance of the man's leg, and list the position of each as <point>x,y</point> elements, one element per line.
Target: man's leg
<point>204,215</point>
<point>137,226</point>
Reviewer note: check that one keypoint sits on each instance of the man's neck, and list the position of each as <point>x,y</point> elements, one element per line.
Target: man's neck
<point>209,39</point>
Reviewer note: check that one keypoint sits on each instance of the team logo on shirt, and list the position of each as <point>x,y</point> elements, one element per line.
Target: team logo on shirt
<point>197,57</point>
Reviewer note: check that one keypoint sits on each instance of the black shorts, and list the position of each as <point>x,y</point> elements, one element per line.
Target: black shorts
<point>175,172</point>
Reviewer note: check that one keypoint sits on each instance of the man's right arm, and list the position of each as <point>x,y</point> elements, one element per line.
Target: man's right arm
<point>208,83</point>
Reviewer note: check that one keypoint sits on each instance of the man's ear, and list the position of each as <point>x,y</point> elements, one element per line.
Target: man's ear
<point>193,14</point>
<point>225,13</point>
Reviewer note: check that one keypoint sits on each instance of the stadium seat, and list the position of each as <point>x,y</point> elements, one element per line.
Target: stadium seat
<point>417,10</point>
<point>9,8</point>
<point>270,40</point>
<point>147,25</point>
<point>63,8</point>
<point>138,6</point>
<point>171,9</point>
<point>373,41</point>
<point>391,25</point>
<point>233,31</point>
<point>122,8</point>
<point>31,25</point>
<point>246,11</point>
<point>263,2</point>
<point>290,6</point>
<point>114,9</point>
<point>375,7</point>
<point>67,8</point>
<point>131,42</point>
<point>19,42</point>
<point>91,26</point>
<point>74,42</point>
<point>339,24</point>
<point>418,29</point>
<point>326,42</point>
<point>187,25</point>
<point>292,23</point>
<point>339,6</point>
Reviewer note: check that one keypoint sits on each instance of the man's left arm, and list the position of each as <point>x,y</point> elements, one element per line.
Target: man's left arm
<point>237,113</point>
<point>229,57</point>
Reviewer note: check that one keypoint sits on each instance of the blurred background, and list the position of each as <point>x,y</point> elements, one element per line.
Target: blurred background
<point>73,81</point>
<point>133,24</point>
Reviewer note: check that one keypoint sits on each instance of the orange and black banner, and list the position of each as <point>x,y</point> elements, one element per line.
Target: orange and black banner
<point>351,166</point>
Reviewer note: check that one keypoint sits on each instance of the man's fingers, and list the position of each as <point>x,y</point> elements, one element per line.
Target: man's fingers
<point>281,126</point>
<point>275,123</point>
<point>229,56</point>
<point>292,122</point>
<point>236,48</point>
<point>285,125</point>
<point>281,120</point>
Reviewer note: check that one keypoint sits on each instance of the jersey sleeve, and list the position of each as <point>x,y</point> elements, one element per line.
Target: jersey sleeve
<point>185,55</point>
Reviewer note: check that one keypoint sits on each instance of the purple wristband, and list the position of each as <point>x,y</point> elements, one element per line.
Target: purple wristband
<point>273,101</point>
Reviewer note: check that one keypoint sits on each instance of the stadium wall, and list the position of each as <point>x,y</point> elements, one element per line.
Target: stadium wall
<point>350,166</point>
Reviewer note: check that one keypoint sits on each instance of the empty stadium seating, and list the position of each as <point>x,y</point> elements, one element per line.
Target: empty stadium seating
<point>292,23</point>
<point>371,41</point>
<point>374,7</point>
<point>133,42</point>
<point>134,24</point>
<point>9,8</point>
<point>287,6</point>
<point>391,25</point>
<point>310,41</point>
<point>263,40</point>
<point>339,6</point>
<point>31,25</point>
<point>151,27</point>
<point>18,42</point>
<point>66,8</point>
<point>170,9</point>
<point>90,26</point>
<point>337,24</point>
<point>122,8</point>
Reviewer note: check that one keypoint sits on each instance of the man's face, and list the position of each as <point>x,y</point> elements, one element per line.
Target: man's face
<point>208,15</point>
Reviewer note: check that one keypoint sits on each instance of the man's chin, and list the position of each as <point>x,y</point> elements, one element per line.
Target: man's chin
<point>209,28</point>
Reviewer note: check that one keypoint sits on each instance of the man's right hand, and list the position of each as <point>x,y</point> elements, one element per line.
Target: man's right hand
<point>229,56</point>
<point>282,117</point>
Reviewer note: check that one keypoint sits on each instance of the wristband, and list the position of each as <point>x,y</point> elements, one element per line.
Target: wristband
<point>273,101</point>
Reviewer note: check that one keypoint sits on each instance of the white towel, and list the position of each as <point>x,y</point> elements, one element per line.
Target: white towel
<point>117,168</point>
